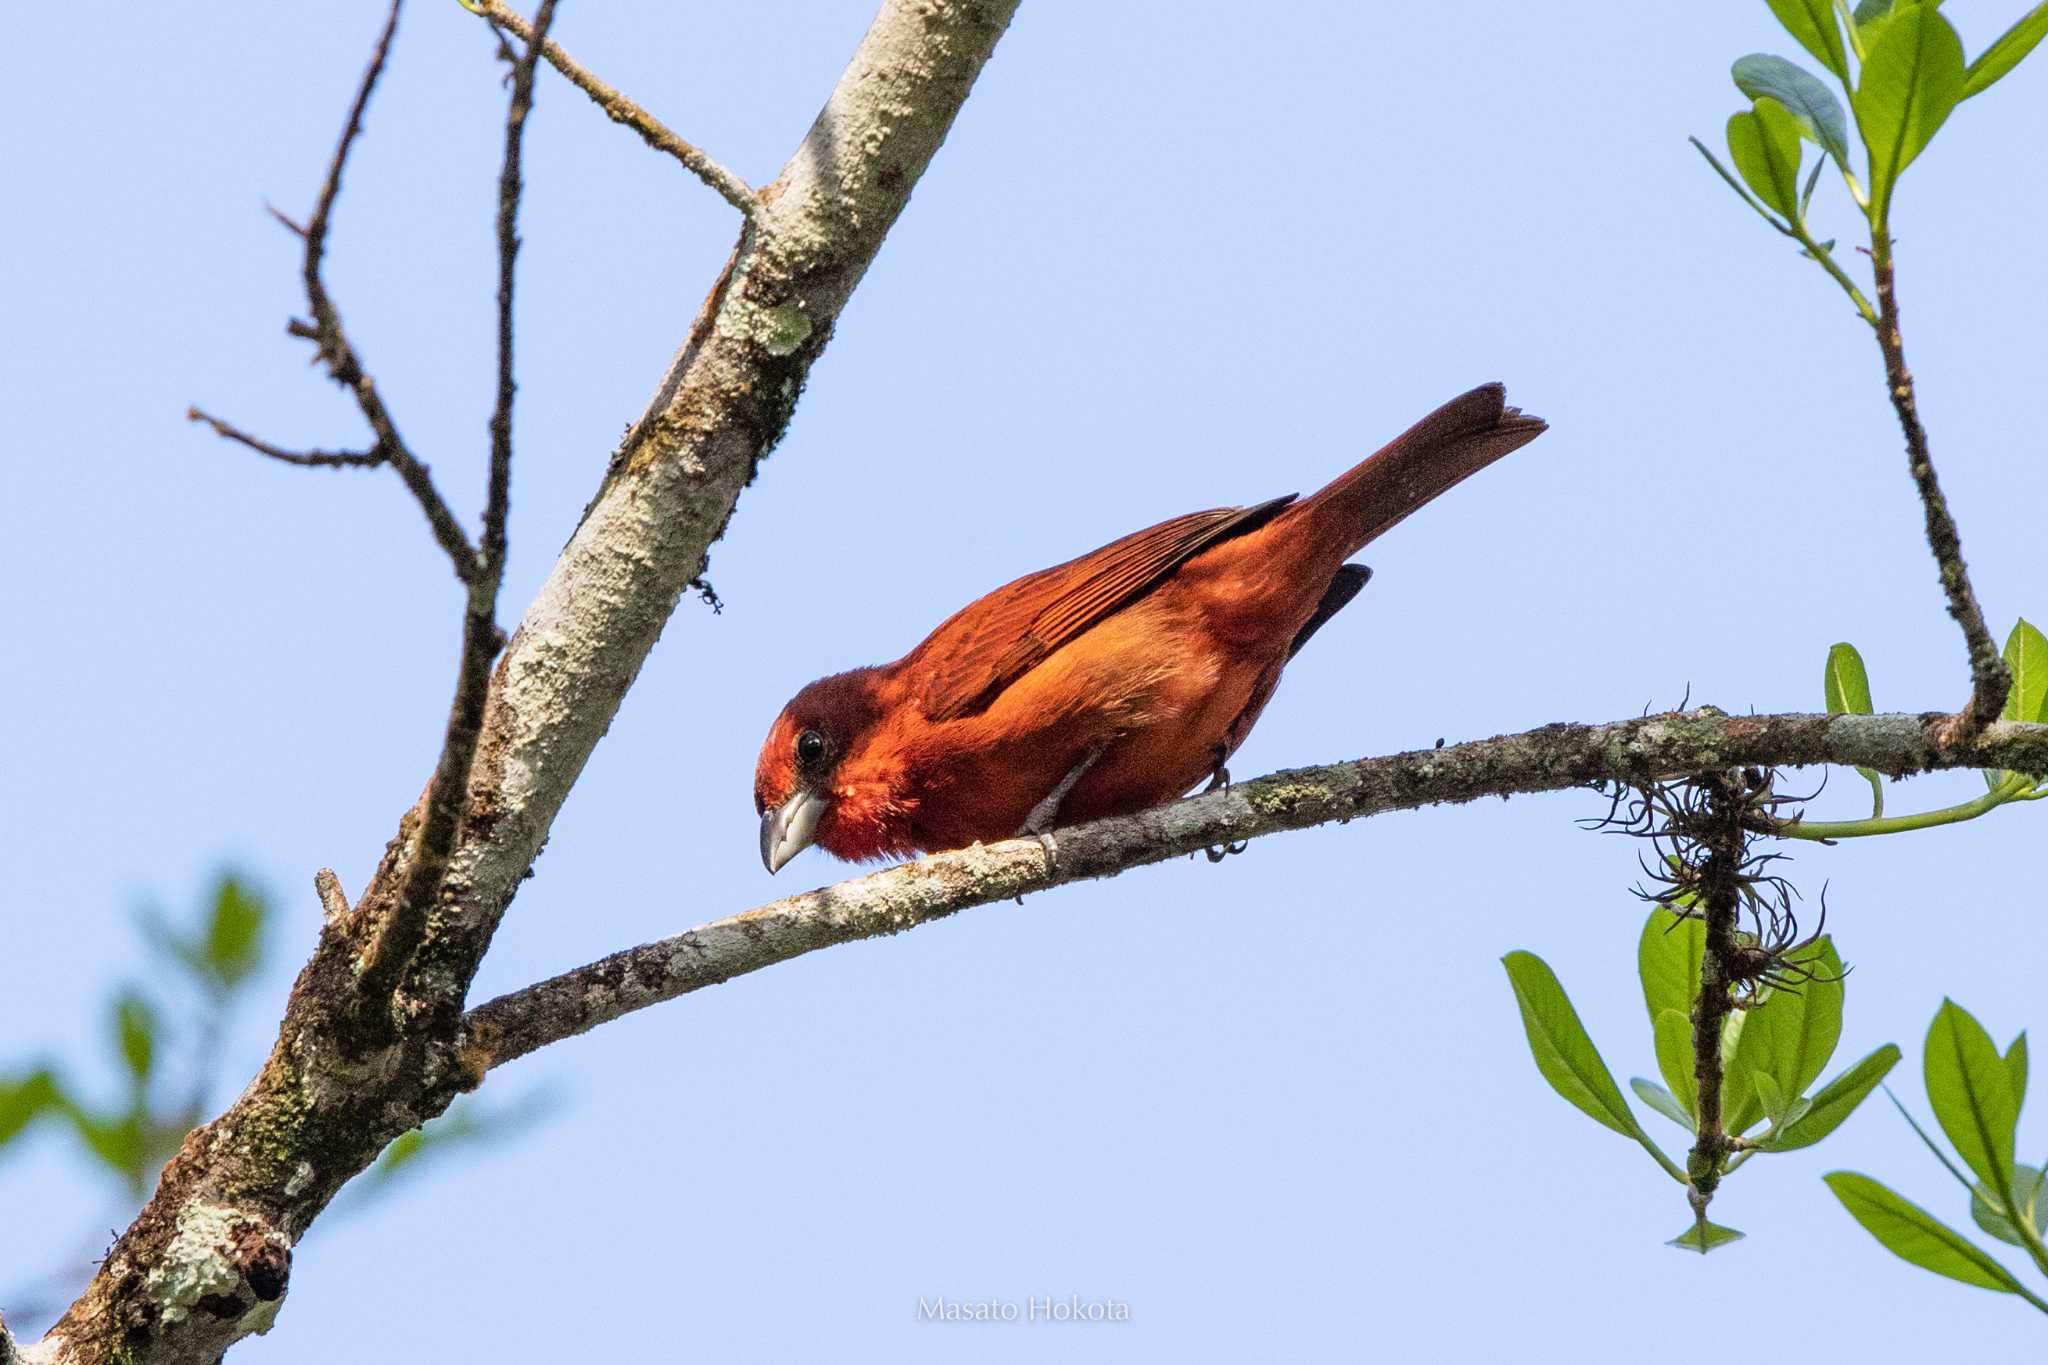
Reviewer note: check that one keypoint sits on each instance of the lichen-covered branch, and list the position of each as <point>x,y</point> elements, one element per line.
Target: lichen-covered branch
<point>619,109</point>
<point>1990,680</point>
<point>1554,758</point>
<point>206,1262</point>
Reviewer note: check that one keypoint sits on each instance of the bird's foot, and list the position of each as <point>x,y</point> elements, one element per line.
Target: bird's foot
<point>1221,776</point>
<point>1046,811</point>
<point>1052,852</point>
<point>1216,853</point>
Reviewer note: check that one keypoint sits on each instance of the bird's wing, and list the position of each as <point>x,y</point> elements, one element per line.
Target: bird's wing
<point>977,652</point>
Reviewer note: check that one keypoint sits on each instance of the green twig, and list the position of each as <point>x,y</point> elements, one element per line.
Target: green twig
<point>2013,789</point>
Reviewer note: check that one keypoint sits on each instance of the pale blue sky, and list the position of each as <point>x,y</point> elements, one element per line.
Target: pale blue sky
<point>1173,256</point>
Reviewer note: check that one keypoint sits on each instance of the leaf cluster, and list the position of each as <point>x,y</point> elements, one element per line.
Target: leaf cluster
<point>1772,1053</point>
<point>1976,1093</point>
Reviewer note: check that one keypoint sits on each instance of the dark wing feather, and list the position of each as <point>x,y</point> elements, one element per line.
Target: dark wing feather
<point>965,664</point>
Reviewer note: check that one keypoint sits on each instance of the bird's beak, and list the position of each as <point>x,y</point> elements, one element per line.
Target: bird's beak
<point>786,831</point>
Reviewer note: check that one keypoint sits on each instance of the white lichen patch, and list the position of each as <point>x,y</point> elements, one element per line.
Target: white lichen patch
<point>778,330</point>
<point>302,1177</point>
<point>197,1262</point>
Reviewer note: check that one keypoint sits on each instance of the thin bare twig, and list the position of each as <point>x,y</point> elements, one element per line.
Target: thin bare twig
<point>339,355</point>
<point>305,459</point>
<point>404,927</point>
<point>620,109</point>
<point>1554,758</point>
<point>335,350</point>
<point>1990,679</point>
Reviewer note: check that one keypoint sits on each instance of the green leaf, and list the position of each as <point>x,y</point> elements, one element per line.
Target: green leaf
<point>233,946</point>
<point>1789,1035</point>
<point>2029,1192</point>
<point>1971,1091</point>
<point>1703,1237</point>
<point>1563,1052</point>
<point>2026,654</point>
<point>120,1144</point>
<point>1661,1100</point>
<point>2016,1072</point>
<point>1913,1234</point>
<point>24,1101</point>
<point>1847,688</point>
<point>1764,144</point>
<point>1911,80</point>
<point>135,1027</point>
<point>1673,1034</point>
<point>1668,957</point>
<point>1870,12</point>
<point>1812,105</point>
<point>2002,56</point>
<point>1845,683</point>
<point>1768,1095</point>
<point>1812,22</point>
<point>1837,1100</point>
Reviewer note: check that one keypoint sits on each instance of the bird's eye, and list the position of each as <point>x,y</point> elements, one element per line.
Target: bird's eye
<point>810,747</point>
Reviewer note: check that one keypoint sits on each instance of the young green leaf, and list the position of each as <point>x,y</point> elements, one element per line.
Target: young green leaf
<point>233,932</point>
<point>1847,689</point>
<point>1668,957</point>
<point>135,1028</point>
<point>2002,56</point>
<point>1563,1052</point>
<point>1813,106</point>
<point>1675,1061</point>
<point>1837,1100</point>
<point>1812,22</point>
<point>1764,144</point>
<point>24,1101</point>
<point>2029,1194</point>
<point>1911,80</point>
<point>1661,1100</point>
<point>120,1143</point>
<point>2016,1071</point>
<point>1913,1234</point>
<point>1704,1237</point>
<point>1971,1091</point>
<point>1844,682</point>
<point>1768,1095</point>
<point>2026,654</point>
<point>1869,12</point>
<point>1788,1036</point>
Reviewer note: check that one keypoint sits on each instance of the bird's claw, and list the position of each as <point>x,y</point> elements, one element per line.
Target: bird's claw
<point>1216,853</point>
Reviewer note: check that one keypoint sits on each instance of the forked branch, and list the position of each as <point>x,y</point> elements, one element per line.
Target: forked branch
<point>619,109</point>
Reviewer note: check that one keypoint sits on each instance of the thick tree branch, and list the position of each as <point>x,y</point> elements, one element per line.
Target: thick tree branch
<point>1554,758</point>
<point>620,109</point>
<point>1990,679</point>
<point>207,1260</point>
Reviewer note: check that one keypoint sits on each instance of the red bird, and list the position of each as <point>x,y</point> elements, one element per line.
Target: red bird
<point>1105,685</point>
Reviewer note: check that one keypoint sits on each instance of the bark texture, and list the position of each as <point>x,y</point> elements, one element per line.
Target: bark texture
<point>1554,758</point>
<point>207,1261</point>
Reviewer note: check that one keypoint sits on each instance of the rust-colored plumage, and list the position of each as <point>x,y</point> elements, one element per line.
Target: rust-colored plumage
<point>1108,684</point>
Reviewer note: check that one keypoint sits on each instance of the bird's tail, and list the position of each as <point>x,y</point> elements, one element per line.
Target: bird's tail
<point>1445,448</point>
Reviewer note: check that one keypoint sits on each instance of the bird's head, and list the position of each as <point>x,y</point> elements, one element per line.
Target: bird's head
<point>806,790</point>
